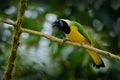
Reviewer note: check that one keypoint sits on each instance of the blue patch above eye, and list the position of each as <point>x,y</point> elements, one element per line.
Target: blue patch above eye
<point>58,23</point>
<point>62,25</point>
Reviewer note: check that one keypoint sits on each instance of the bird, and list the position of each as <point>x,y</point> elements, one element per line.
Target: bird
<point>76,32</point>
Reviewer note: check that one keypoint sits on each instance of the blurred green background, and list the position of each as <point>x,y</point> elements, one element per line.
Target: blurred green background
<point>41,59</point>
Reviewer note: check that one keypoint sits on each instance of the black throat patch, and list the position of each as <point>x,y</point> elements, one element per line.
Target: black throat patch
<point>62,25</point>
<point>66,28</point>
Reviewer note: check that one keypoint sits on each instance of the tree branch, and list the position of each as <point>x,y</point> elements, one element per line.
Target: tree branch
<point>18,30</point>
<point>68,42</point>
<point>7,22</point>
<point>15,41</point>
<point>71,43</point>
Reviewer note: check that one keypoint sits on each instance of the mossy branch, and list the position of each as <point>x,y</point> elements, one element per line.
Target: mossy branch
<point>15,40</point>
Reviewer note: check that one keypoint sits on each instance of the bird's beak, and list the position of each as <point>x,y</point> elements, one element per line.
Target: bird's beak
<point>53,24</point>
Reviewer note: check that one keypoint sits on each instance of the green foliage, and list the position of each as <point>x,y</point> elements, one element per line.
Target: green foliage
<point>59,61</point>
<point>30,23</point>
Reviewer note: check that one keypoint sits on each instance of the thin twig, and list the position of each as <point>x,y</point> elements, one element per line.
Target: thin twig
<point>7,22</point>
<point>15,40</point>
<point>71,43</point>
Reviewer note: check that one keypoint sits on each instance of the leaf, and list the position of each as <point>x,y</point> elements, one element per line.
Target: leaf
<point>33,24</point>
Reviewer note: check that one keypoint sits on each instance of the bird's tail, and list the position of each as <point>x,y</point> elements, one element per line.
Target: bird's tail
<point>97,61</point>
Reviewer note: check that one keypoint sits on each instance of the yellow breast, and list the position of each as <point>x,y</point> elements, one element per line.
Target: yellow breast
<point>76,36</point>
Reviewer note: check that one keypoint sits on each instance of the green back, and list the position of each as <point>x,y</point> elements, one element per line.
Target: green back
<point>81,30</point>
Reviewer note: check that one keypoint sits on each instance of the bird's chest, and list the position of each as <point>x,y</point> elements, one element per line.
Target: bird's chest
<point>75,35</point>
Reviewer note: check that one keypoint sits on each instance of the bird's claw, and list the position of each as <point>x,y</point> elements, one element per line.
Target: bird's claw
<point>81,44</point>
<point>65,40</point>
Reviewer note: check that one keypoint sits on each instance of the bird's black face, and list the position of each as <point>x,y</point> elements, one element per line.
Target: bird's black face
<point>62,25</point>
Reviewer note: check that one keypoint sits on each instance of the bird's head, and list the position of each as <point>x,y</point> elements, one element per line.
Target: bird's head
<point>62,24</point>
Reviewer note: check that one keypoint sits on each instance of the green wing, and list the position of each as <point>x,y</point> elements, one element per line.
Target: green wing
<point>82,30</point>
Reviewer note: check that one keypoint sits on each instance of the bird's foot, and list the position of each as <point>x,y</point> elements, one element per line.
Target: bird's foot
<point>81,44</point>
<point>65,40</point>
